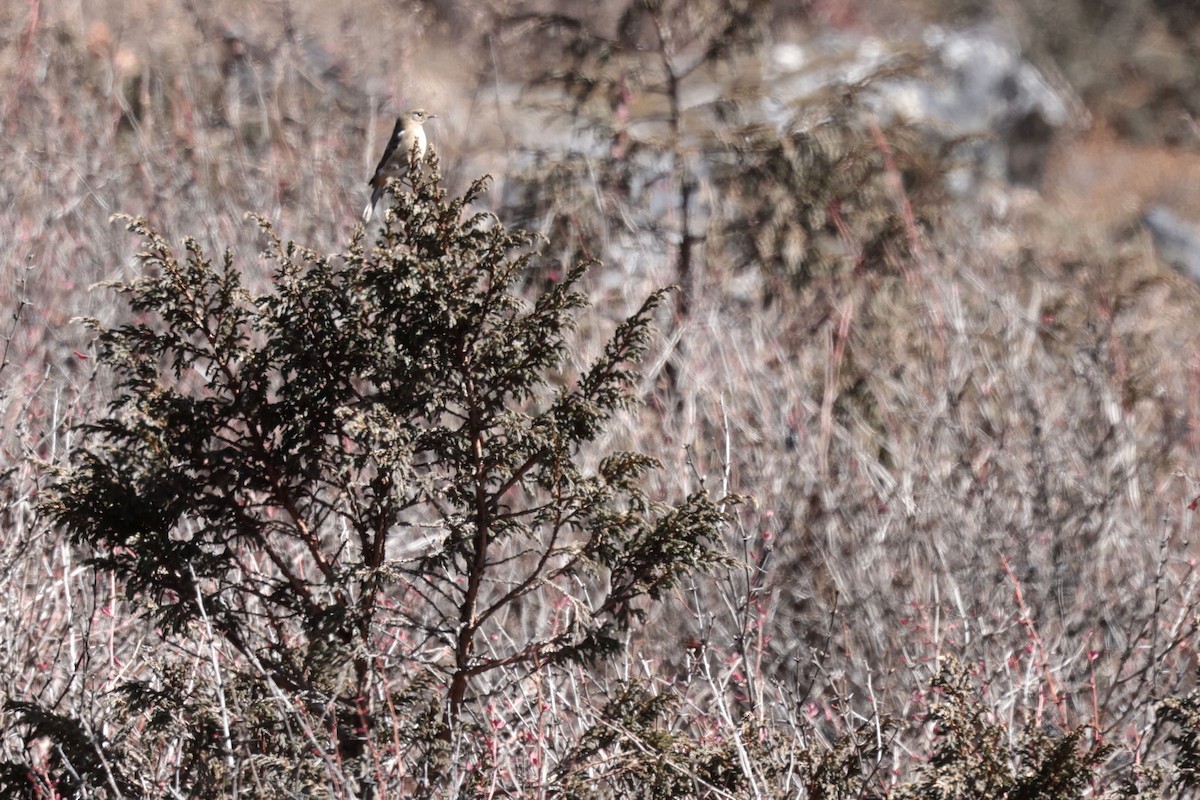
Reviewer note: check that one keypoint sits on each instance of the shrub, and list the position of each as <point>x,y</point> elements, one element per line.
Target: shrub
<point>371,497</point>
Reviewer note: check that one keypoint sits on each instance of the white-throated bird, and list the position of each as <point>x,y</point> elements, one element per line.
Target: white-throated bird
<point>407,142</point>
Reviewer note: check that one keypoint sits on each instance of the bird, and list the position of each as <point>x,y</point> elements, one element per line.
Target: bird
<point>408,142</point>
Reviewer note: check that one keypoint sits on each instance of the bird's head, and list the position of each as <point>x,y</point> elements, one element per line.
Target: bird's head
<point>419,116</point>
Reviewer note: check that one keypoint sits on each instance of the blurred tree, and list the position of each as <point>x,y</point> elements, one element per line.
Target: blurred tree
<point>656,52</point>
<point>706,151</point>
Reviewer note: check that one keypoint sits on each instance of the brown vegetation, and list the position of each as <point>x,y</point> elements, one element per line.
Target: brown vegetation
<point>964,426</point>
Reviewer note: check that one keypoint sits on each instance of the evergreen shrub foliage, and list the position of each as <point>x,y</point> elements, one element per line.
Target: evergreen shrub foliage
<point>376,486</point>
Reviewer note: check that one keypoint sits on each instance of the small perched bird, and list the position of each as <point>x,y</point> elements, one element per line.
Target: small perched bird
<point>408,140</point>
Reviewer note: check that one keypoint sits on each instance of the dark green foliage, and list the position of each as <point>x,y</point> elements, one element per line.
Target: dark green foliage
<point>1183,713</point>
<point>387,451</point>
<point>971,755</point>
<point>844,769</point>
<point>281,743</point>
<point>632,752</point>
<point>80,764</point>
<point>976,756</point>
<point>831,195</point>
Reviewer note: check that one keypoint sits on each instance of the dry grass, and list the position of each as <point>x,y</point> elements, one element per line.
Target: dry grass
<point>985,448</point>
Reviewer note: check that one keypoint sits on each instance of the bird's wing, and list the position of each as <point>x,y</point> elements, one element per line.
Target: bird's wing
<point>393,143</point>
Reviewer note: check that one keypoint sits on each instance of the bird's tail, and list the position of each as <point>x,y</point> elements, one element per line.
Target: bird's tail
<point>369,211</point>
